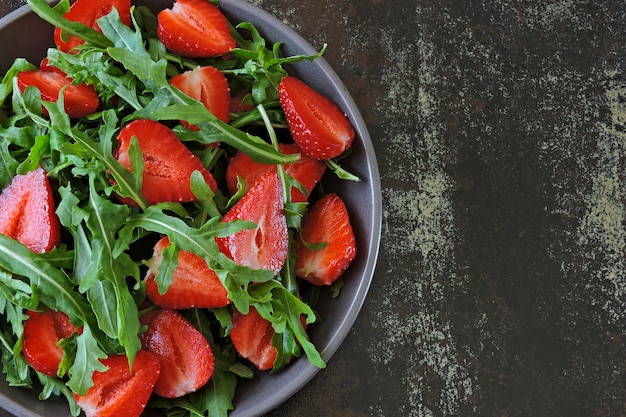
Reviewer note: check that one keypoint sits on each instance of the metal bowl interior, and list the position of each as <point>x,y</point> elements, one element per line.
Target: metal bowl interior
<point>23,34</point>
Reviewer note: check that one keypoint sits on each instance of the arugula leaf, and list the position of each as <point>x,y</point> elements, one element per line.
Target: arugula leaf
<point>72,217</point>
<point>86,361</point>
<point>8,164</point>
<point>169,263</point>
<point>14,364</point>
<point>105,283</point>
<point>55,17</point>
<point>54,287</point>
<point>262,65</point>
<point>340,172</point>
<point>18,293</point>
<point>121,36</point>
<point>6,85</point>
<point>54,386</point>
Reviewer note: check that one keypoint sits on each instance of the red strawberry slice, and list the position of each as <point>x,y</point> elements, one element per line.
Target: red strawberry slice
<point>209,86</point>
<point>87,12</point>
<point>27,212</point>
<point>168,163</point>
<point>241,165</point>
<point>264,247</point>
<point>252,337</point>
<point>328,222</point>
<point>195,28</point>
<point>79,100</point>
<point>308,171</point>
<point>118,391</point>
<point>317,125</point>
<point>238,102</point>
<point>194,284</point>
<point>42,332</point>
<point>185,355</point>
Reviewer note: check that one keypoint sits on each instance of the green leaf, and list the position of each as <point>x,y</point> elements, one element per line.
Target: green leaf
<point>71,216</point>
<point>8,164</point>
<point>14,365</point>
<point>40,149</point>
<point>148,71</point>
<point>205,195</point>
<point>293,309</point>
<point>87,360</point>
<point>340,172</point>
<point>55,17</point>
<point>55,288</point>
<point>54,386</point>
<point>6,86</point>
<point>18,292</point>
<point>108,291</point>
<point>169,263</point>
<point>121,35</point>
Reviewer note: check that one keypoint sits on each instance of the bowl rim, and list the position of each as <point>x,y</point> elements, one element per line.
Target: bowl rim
<point>302,368</point>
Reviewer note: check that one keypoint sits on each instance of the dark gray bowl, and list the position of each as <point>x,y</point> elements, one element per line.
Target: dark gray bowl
<point>23,34</point>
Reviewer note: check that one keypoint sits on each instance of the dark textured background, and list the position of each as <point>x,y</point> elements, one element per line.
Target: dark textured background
<point>500,131</point>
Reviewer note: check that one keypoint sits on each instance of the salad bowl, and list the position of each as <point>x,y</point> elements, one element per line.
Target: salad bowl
<point>24,34</point>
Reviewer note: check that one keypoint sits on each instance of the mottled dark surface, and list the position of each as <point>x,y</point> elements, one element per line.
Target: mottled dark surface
<point>500,131</point>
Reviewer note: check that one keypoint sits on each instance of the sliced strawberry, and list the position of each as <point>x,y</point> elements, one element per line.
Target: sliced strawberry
<point>42,332</point>
<point>252,336</point>
<point>209,86</point>
<point>185,355</point>
<point>195,28</point>
<point>326,222</point>
<point>317,125</point>
<point>27,212</point>
<point>87,12</point>
<point>238,103</point>
<point>264,247</point>
<point>168,163</point>
<point>308,171</point>
<point>241,165</point>
<point>194,284</point>
<point>118,391</point>
<point>79,100</point>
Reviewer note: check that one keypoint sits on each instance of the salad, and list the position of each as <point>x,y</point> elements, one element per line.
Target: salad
<point>163,228</point>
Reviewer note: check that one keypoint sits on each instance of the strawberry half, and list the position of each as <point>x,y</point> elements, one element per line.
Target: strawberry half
<point>27,212</point>
<point>264,247</point>
<point>168,163</point>
<point>79,100</point>
<point>42,332</point>
<point>118,391</point>
<point>317,125</point>
<point>308,171</point>
<point>209,86</point>
<point>185,355</point>
<point>195,28</point>
<point>87,12</point>
<point>252,337</point>
<point>194,284</point>
<point>328,222</point>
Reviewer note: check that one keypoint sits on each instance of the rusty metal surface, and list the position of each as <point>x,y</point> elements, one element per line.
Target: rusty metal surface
<point>500,131</point>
